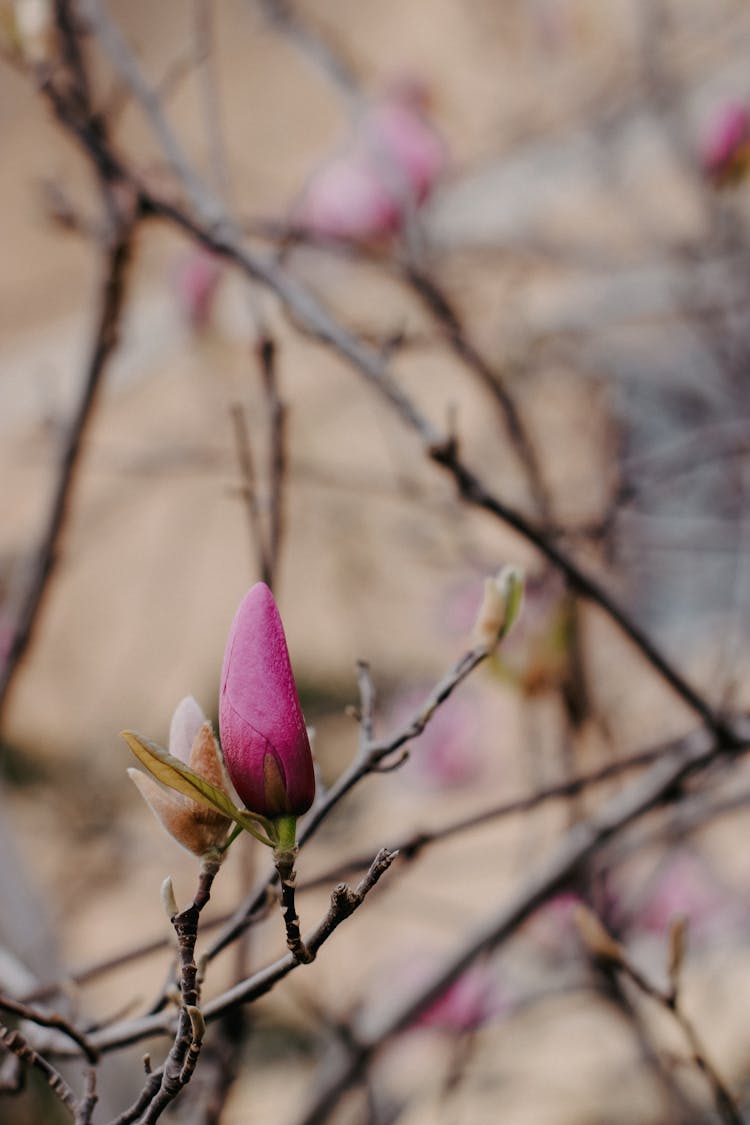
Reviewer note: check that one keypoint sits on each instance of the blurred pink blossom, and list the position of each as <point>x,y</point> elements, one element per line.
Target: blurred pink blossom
<point>684,887</point>
<point>467,1004</point>
<point>391,165</point>
<point>726,145</point>
<point>196,282</point>
<point>448,753</point>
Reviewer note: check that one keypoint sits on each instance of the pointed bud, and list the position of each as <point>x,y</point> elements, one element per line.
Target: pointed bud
<point>263,735</point>
<point>168,900</point>
<point>501,605</point>
<point>596,938</point>
<point>676,948</point>
<point>196,827</point>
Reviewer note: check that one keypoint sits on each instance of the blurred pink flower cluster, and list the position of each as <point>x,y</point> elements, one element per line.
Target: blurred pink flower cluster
<point>389,167</point>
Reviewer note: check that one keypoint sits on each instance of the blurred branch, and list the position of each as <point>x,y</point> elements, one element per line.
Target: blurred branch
<point>112,298</point>
<point>49,1019</point>
<point>614,958</point>
<point>15,1043</point>
<point>408,848</point>
<point>660,784</point>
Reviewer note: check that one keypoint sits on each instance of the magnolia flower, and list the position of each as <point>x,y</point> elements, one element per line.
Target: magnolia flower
<point>263,734</point>
<point>191,740</point>
<point>726,147</point>
<point>390,166</point>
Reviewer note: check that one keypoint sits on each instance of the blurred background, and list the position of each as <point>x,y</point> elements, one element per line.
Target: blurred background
<point>546,194</point>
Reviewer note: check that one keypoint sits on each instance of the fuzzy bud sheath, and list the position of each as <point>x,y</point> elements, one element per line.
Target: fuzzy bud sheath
<point>263,734</point>
<point>195,826</point>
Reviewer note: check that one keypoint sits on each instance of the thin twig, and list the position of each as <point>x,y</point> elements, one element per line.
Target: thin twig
<point>344,901</point>
<point>661,783</point>
<point>48,552</point>
<point>250,488</point>
<point>14,1042</point>
<point>50,1019</point>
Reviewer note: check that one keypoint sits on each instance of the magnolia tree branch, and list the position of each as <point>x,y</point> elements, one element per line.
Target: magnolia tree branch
<point>163,1086</point>
<point>368,759</point>
<point>613,958</point>
<point>215,230</point>
<point>344,901</point>
<point>408,847</point>
<point>16,1044</point>
<point>116,260</point>
<point>51,1020</point>
<point>660,784</point>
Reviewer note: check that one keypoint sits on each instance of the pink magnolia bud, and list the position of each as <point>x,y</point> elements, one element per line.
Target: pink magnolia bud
<point>726,147</point>
<point>391,164</point>
<point>396,133</point>
<point>263,735</point>
<point>345,199</point>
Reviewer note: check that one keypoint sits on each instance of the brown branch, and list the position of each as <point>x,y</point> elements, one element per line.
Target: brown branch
<point>14,1042</point>
<point>344,901</point>
<point>48,552</point>
<point>50,1019</point>
<point>276,418</point>
<point>613,958</point>
<point>249,488</point>
<point>163,1086</point>
<point>408,847</point>
<point>224,240</point>
<point>660,784</point>
<point>437,301</point>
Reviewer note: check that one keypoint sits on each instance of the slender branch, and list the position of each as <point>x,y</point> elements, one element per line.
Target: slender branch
<point>276,418</point>
<point>215,230</point>
<point>344,901</point>
<point>368,760</point>
<point>408,847</point>
<point>50,1019</point>
<point>14,1042</point>
<point>661,783</point>
<point>614,958</point>
<point>48,552</point>
<point>249,488</point>
<point>437,301</point>
<point>181,1061</point>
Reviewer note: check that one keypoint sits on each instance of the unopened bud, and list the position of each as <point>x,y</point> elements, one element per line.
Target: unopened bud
<point>501,605</point>
<point>600,944</point>
<point>677,944</point>
<point>168,900</point>
<point>197,1023</point>
<point>35,30</point>
<point>263,734</point>
<point>197,827</point>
